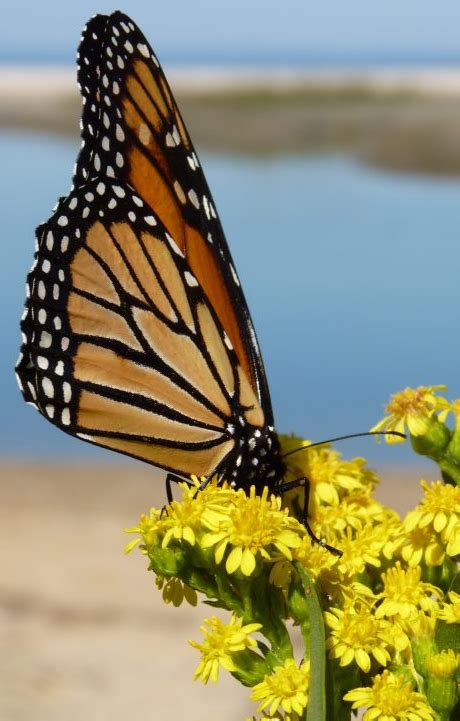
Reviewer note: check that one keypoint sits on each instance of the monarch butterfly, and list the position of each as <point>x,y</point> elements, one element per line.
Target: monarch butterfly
<point>136,332</point>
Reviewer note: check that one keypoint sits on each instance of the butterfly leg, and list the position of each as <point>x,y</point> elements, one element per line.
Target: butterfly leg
<point>305,483</point>
<point>170,479</point>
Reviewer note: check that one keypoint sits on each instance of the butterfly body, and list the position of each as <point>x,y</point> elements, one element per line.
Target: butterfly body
<point>136,333</point>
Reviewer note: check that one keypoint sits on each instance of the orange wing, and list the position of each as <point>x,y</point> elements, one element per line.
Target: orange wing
<point>132,130</point>
<point>121,346</point>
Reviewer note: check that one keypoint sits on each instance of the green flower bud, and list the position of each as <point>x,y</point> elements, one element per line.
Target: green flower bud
<point>434,441</point>
<point>423,648</point>
<point>441,686</point>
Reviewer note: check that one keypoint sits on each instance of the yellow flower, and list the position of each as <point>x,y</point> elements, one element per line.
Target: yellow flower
<point>440,512</point>
<point>174,591</point>
<point>450,612</point>
<point>404,594</point>
<point>357,635</point>
<point>286,688</point>
<point>220,643</point>
<point>443,664</point>
<point>330,476</point>
<point>314,557</point>
<point>361,548</point>
<point>417,543</point>
<point>412,407</point>
<point>390,698</point>
<point>254,527</point>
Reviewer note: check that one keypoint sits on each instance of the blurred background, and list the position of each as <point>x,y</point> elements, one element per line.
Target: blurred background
<point>330,137</point>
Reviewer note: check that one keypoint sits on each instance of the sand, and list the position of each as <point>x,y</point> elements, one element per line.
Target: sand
<point>403,119</point>
<point>84,632</point>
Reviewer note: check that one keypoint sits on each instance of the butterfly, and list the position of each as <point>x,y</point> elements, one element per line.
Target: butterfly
<point>136,333</point>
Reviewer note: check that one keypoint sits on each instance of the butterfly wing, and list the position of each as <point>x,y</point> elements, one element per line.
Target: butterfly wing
<point>133,130</point>
<point>136,334</point>
<point>121,346</point>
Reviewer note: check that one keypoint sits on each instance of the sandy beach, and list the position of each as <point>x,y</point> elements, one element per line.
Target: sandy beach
<point>404,119</point>
<point>87,634</point>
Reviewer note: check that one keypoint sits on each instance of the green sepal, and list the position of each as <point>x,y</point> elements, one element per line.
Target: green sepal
<point>251,667</point>
<point>447,636</point>
<point>434,442</point>
<point>167,561</point>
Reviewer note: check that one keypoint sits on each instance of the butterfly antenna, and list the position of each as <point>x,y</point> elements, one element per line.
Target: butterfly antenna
<point>344,438</point>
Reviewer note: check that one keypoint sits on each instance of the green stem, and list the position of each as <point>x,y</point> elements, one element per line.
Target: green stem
<point>312,627</point>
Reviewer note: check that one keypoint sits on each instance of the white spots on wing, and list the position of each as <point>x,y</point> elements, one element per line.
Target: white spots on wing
<point>179,192</point>
<point>119,191</point>
<point>46,265</point>
<point>61,275</point>
<point>59,370</point>
<point>63,221</point>
<point>77,232</point>
<point>105,81</point>
<point>190,279</point>
<point>89,197</point>
<point>42,362</point>
<point>228,342</point>
<point>55,291</point>
<point>45,339</point>
<point>109,51</point>
<point>97,162</point>
<point>105,143</point>
<point>48,387</point>
<point>143,49</point>
<point>129,46</point>
<point>137,201</point>
<point>174,245</point>
<point>213,212</point>
<point>132,216</point>
<point>100,188</point>
<point>119,133</point>
<point>125,27</point>
<point>191,162</point>
<point>116,31</point>
<point>115,88</point>
<point>144,134</point>
<point>41,290</point>
<point>195,160</point>
<point>170,141</point>
<point>120,62</point>
<point>73,203</point>
<point>234,275</point>
<point>150,220</point>
<point>42,316</point>
<point>49,410</point>
<point>206,207</point>
<point>119,160</point>
<point>112,203</point>
<point>107,100</point>
<point>32,390</point>
<point>65,417</point>
<point>65,343</point>
<point>57,323</point>
<point>210,238</point>
<point>67,391</point>
<point>106,121</point>
<point>194,198</point>
<point>85,212</point>
<point>176,135</point>
<point>110,172</point>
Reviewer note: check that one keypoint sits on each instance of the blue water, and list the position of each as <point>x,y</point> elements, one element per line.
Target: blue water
<point>351,274</point>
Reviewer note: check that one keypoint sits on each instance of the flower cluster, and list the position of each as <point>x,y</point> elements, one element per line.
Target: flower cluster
<point>380,622</point>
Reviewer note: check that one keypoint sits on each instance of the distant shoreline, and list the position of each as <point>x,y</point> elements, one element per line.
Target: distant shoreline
<point>401,118</point>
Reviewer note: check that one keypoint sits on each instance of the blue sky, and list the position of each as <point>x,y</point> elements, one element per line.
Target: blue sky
<point>242,29</point>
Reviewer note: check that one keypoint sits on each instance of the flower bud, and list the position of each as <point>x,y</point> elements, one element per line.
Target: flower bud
<point>441,687</point>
